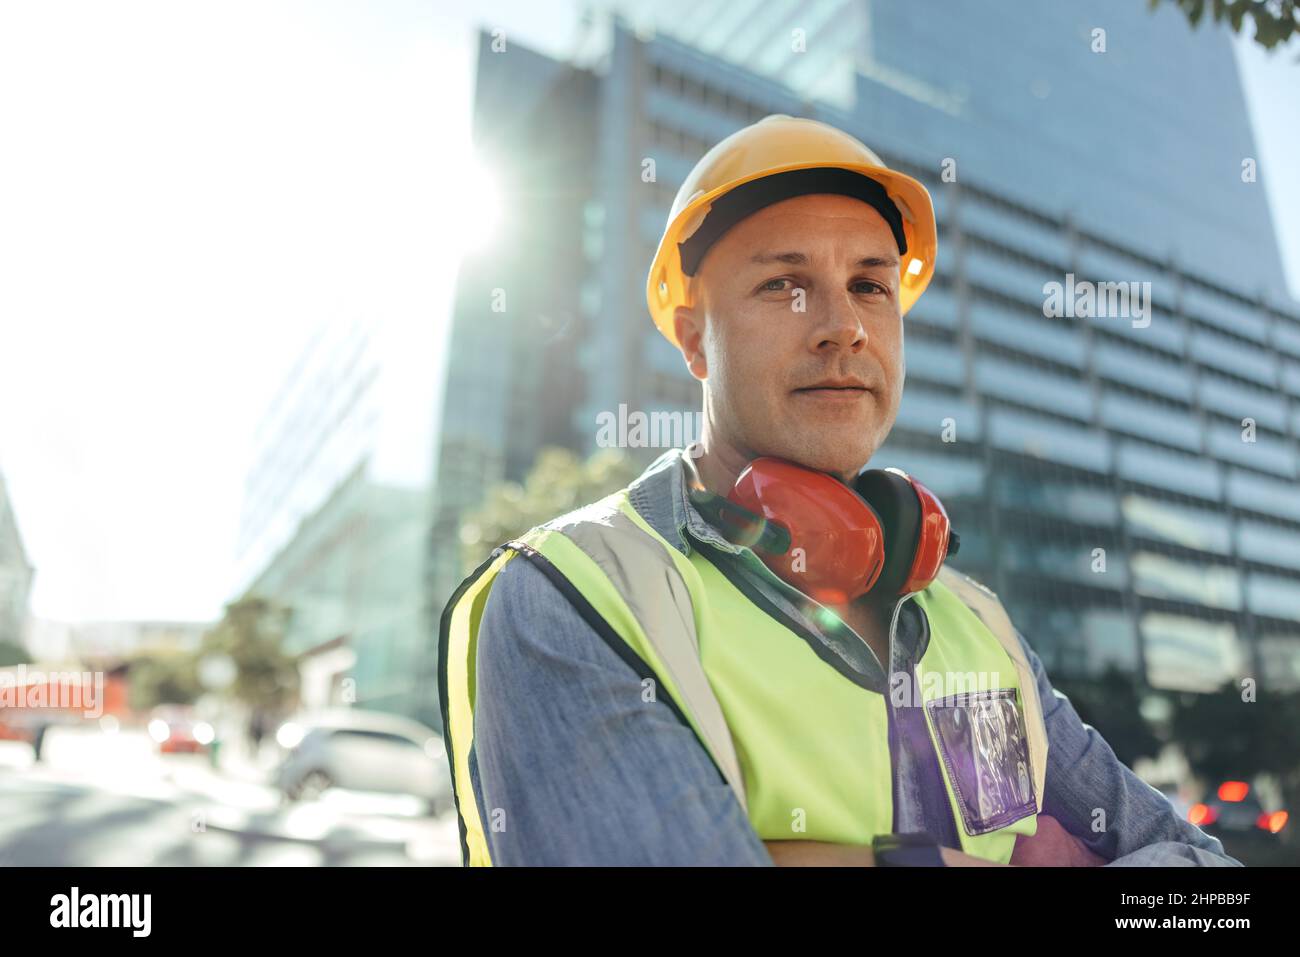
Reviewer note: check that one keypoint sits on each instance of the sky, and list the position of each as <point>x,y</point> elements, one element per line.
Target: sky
<point>186,192</point>
<point>1271,80</point>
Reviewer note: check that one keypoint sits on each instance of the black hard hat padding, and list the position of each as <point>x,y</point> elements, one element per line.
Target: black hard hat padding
<point>729,209</point>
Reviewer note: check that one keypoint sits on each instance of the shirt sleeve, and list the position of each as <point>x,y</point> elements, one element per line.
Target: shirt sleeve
<point>576,764</point>
<point>1141,828</point>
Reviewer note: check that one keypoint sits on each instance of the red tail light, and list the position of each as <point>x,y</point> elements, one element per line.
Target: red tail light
<point>1271,822</point>
<point>1200,814</point>
<point>1233,790</point>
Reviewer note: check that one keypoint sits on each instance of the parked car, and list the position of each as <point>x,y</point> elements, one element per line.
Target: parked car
<point>362,750</point>
<point>176,730</point>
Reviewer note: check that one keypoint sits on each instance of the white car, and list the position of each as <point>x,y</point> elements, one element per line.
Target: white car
<point>363,751</point>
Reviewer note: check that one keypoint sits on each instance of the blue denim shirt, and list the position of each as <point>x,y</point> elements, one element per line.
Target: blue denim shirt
<point>580,769</point>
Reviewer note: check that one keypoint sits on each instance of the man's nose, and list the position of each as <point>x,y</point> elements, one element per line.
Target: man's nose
<point>839,323</point>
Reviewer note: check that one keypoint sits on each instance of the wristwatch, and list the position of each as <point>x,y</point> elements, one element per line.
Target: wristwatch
<point>917,849</point>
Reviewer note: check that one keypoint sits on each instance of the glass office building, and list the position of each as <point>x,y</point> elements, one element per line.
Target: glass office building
<point>328,532</point>
<point>513,378</point>
<point>1126,482</point>
<point>1127,119</point>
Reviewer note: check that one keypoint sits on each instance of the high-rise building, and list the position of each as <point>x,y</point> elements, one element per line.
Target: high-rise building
<point>329,530</point>
<point>514,375</point>
<point>16,573</point>
<point>1122,118</point>
<point>1127,482</point>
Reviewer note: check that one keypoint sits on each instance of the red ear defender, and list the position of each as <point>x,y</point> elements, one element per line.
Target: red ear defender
<point>887,529</point>
<point>837,544</point>
<point>933,543</point>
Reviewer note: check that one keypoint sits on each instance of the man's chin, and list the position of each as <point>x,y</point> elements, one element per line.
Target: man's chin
<point>845,459</point>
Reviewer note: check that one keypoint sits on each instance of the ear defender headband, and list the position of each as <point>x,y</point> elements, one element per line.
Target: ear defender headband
<point>886,533</point>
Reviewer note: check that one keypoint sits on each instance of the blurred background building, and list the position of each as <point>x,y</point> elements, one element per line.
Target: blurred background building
<point>59,642</point>
<point>16,574</point>
<point>1098,469</point>
<point>328,534</point>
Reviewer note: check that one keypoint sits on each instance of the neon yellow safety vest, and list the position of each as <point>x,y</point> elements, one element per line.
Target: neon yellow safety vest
<point>806,751</point>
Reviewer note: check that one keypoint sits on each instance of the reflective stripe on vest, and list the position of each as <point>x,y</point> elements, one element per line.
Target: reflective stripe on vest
<point>805,750</point>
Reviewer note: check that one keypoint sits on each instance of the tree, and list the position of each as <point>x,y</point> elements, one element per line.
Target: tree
<point>1226,737</point>
<point>251,634</point>
<point>1276,21</point>
<point>13,654</point>
<point>1111,703</point>
<point>559,482</point>
<point>169,677</point>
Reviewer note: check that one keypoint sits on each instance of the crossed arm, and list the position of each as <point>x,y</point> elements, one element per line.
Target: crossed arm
<point>1108,809</point>
<point>584,771</point>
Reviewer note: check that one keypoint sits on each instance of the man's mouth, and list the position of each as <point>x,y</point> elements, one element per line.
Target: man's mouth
<point>846,390</point>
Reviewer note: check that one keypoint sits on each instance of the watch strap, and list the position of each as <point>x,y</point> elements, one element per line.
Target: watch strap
<point>917,849</point>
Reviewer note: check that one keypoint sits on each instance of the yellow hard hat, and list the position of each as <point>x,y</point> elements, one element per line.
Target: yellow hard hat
<point>781,144</point>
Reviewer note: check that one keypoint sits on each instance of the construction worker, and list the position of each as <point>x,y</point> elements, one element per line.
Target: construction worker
<point>756,653</point>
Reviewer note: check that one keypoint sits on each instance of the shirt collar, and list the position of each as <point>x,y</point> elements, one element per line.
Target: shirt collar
<point>661,495</point>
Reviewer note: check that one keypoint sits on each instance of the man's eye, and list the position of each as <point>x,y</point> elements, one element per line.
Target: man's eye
<point>865,286</point>
<point>774,285</point>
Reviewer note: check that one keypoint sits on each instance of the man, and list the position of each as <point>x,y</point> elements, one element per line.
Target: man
<point>648,681</point>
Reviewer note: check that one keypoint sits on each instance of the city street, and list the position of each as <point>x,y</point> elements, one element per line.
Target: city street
<point>110,799</point>
<point>552,434</point>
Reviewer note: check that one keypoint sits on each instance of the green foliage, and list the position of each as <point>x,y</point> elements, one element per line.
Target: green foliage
<point>1276,21</point>
<point>1111,703</point>
<point>163,678</point>
<point>12,654</point>
<point>1224,736</point>
<point>559,482</point>
<point>252,635</point>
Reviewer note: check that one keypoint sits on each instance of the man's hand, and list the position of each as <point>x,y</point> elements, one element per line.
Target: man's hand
<point>1050,846</point>
<point>954,858</point>
<point>819,854</point>
<point>1053,846</point>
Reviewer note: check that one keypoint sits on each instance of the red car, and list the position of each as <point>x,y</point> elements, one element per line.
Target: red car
<point>176,730</point>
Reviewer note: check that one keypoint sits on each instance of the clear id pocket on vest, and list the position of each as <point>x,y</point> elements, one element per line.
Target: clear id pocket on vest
<point>982,741</point>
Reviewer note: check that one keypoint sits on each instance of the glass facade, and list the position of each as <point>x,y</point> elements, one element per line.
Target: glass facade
<point>327,533</point>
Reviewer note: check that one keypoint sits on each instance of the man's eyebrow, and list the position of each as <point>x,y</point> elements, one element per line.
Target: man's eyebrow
<point>793,258</point>
<point>799,259</point>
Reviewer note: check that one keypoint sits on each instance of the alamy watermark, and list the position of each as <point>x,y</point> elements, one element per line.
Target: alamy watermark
<point>640,430</point>
<point>75,909</point>
<point>908,691</point>
<point>1102,300</point>
<point>55,690</point>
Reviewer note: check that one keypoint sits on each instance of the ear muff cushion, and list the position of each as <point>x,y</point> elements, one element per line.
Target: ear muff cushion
<point>899,510</point>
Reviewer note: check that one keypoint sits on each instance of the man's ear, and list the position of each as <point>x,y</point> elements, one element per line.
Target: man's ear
<point>688,326</point>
